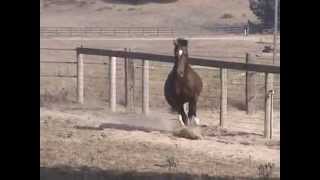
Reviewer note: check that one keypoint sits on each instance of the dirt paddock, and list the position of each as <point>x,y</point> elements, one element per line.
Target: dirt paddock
<point>89,142</point>
<point>79,142</point>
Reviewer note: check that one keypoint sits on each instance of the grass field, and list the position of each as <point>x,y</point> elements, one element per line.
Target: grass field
<point>183,13</point>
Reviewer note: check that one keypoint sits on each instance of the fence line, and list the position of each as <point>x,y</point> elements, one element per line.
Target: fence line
<point>146,57</point>
<point>269,70</point>
<point>260,59</point>
<point>193,61</point>
<point>58,76</point>
<point>58,49</point>
<point>130,31</point>
<point>59,62</point>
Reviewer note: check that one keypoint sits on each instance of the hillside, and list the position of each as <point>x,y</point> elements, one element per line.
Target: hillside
<point>202,14</point>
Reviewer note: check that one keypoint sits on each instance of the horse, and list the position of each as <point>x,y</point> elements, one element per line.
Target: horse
<point>183,85</point>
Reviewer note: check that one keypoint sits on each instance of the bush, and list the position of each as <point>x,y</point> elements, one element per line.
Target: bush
<point>226,16</point>
<point>264,10</point>
<point>48,98</point>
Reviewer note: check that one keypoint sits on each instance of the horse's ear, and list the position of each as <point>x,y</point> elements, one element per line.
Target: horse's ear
<point>175,42</point>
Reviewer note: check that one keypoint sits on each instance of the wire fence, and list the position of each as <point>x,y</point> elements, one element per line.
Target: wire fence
<point>60,72</point>
<point>135,31</point>
<point>195,53</point>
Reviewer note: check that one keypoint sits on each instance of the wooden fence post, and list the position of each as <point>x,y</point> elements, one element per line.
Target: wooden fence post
<point>129,84</point>
<point>223,96</point>
<point>268,106</point>
<point>271,114</point>
<point>41,6</point>
<point>126,80</point>
<point>250,87</point>
<point>80,79</point>
<point>132,68</point>
<point>145,89</point>
<point>113,83</point>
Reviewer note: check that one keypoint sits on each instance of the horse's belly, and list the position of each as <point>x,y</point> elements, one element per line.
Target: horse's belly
<point>176,93</point>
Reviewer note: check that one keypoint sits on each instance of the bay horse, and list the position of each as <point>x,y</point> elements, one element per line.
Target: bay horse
<point>183,85</point>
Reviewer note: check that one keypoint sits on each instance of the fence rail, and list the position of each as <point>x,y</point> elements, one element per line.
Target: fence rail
<point>269,70</point>
<point>193,61</point>
<point>134,31</point>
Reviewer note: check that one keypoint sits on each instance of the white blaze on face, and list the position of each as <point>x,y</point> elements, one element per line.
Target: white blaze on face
<point>180,52</point>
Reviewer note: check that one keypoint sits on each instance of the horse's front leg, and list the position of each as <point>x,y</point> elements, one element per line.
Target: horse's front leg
<point>183,116</point>
<point>192,114</point>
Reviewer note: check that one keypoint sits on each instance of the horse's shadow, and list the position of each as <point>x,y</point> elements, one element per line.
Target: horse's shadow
<point>209,131</point>
<point>120,127</point>
<point>216,131</point>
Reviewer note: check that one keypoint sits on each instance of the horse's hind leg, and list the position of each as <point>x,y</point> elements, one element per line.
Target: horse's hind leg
<point>192,114</point>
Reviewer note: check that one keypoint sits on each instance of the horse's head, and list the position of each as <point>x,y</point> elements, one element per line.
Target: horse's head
<point>181,56</point>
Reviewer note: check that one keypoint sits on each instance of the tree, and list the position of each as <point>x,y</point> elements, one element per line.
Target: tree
<point>264,10</point>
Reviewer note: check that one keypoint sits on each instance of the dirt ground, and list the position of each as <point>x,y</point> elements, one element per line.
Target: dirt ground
<point>73,136</point>
<point>77,136</point>
<point>183,13</point>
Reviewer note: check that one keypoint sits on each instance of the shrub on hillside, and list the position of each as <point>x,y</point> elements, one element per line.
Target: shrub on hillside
<point>226,16</point>
<point>264,10</point>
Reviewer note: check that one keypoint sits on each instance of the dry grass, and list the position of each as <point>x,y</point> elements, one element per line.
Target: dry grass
<point>265,170</point>
<point>48,98</point>
<point>109,148</point>
<point>227,16</point>
<point>189,133</point>
<point>183,13</point>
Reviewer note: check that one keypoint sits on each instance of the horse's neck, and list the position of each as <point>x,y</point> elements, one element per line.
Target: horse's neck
<point>187,68</point>
<point>175,66</point>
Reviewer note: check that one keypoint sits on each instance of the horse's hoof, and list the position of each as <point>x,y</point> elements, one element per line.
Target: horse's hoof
<point>182,124</point>
<point>180,121</point>
<point>195,121</point>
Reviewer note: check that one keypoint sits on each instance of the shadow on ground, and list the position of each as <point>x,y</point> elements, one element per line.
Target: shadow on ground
<point>83,3</point>
<point>218,131</point>
<point>206,130</point>
<point>66,172</point>
<point>239,105</point>
<point>139,2</point>
<point>119,127</point>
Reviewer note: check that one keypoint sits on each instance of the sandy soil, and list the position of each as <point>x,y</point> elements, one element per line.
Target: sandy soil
<point>76,136</point>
